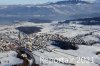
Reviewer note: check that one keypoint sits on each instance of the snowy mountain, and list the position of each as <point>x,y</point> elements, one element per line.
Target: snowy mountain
<point>71,2</point>
<point>55,11</point>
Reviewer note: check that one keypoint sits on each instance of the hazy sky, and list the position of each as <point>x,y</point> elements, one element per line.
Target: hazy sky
<point>26,1</point>
<point>6,2</point>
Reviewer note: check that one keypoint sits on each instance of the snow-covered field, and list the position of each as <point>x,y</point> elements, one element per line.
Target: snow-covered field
<point>84,56</point>
<point>9,59</point>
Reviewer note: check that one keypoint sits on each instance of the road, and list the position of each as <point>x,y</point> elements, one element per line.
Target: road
<point>26,56</point>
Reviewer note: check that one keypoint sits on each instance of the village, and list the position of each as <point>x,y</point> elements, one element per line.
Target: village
<point>28,47</point>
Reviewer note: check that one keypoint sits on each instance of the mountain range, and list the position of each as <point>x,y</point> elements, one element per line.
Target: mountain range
<point>61,10</point>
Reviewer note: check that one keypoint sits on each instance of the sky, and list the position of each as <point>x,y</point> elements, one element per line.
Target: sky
<point>10,2</point>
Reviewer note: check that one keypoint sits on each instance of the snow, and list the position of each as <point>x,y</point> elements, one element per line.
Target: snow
<point>9,58</point>
<point>67,30</point>
<point>73,55</point>
<point>90,37</point>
